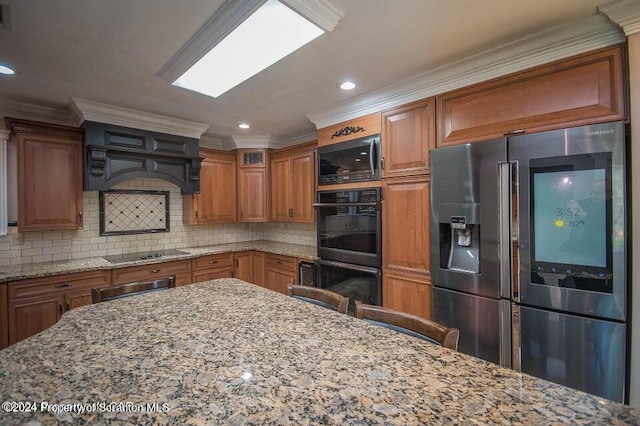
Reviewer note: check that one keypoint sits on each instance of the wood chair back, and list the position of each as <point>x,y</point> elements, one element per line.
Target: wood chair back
<point>409,324</point>
<point>320,297</point>
<point>125,290</point>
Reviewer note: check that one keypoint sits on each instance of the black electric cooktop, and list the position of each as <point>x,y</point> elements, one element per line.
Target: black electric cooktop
<point>142,255</point>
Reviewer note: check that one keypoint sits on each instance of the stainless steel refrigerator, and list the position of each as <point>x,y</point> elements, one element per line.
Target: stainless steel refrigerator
<point>529,253</point>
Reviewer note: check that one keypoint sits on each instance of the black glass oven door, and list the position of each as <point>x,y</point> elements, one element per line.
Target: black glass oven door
<point>357,282</point>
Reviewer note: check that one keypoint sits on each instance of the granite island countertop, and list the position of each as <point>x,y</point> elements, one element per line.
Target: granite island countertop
<point>44,269</point>
<point>230,352</point>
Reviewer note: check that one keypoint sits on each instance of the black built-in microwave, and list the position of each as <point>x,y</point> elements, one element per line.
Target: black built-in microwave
<point>357,160</point>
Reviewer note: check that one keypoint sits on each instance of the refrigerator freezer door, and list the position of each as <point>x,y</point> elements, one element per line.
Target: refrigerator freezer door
<point>582,353</point>
<point>464,197</point>
<point>477,318</point>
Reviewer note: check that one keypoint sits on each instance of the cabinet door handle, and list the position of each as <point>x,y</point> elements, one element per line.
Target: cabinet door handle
<point>290,212</point>
<point>155,271</point>
<point>60,307</point>
<point>80,216</point>
<point>63,285</point>
<point>68,307</point>
<point>382,163</point>
<point>237,263</point>
<point>211,262</point>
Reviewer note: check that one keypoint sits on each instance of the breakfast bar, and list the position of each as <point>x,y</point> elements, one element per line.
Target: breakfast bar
<point>229,352</point>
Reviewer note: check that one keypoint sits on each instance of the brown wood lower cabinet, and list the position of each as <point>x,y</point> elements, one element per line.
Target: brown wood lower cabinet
<point>243,266</point>
<point>257,264</point>
<point>279,272</point>
<point>36,304</point>
<point>407,293</point>
<point>212,267</point>
<point>180,268</point>
<point>4,317</point>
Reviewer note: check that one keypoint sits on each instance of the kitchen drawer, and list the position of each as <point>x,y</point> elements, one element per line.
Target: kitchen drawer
<point>199,276</point>
<point>57,284</point>
<point>180,268</point>
<point>213,261</point>
<point>284,263</point>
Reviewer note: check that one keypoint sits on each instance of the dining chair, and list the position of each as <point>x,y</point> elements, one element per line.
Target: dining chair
<point>408,324</point>
<point>125,290</point>
<point>319,296</point>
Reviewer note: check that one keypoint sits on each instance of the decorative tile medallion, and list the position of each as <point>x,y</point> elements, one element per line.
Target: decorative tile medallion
<point>133,212</point>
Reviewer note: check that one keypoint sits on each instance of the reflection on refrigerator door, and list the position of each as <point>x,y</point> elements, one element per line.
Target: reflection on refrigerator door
<point>477,318</point>
<point>582,353</point>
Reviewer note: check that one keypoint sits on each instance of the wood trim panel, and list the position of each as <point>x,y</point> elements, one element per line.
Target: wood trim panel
<point>585,89</point>
<point>57,284</point>
<point>351,129</point>
<point>352,185</point>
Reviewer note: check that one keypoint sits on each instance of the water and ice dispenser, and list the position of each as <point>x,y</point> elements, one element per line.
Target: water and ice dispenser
<point>460,237</point>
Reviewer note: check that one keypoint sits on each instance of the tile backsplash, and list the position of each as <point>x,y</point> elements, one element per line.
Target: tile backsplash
<point>34,247</point>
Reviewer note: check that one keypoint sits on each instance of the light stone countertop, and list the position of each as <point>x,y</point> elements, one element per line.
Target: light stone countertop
<point>44,269</point>
<point>229,352</point>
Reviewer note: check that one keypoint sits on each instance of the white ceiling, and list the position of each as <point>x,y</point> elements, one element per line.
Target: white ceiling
<point>111,50</point>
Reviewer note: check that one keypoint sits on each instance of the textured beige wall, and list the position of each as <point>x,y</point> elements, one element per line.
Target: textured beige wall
<point>634,77</point>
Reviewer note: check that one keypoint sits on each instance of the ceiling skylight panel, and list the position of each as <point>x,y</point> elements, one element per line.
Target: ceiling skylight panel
<point>272,32</point>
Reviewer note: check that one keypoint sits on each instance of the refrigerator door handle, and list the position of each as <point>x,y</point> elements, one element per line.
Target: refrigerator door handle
<point>506,349</point>
<point>504,228</point>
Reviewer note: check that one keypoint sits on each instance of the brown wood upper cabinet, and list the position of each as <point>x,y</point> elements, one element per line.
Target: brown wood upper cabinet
<point>217,199</point>
<point>351,129</point>
<point>293,184</point>
<point>408,133</point>
<point>585,89</point>
<point>49,176</point>
<point>252,185</point>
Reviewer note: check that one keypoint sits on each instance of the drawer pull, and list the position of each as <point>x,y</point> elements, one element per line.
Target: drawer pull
<point>211,262</point>
<point>63,285</point>
<point>279,262</point>
<point>155,271</point>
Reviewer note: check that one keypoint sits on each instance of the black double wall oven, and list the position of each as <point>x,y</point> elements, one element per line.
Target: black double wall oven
<point>349,243</point>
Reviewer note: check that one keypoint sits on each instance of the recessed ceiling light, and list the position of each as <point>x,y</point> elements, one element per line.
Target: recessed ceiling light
<point>244,126</point>
<point>272,32</point>
<point>347,85</point>
<point>6,70</point>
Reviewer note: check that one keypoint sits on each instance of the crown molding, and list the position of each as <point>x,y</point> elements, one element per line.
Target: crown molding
<point>86,110</point>
<point>4,134</point>
<point>27,111</point>
<point>320,12</point>
<point>547,46</point>
<point>207,141</point>
<point>625,13</point>
<point>307,137</point>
